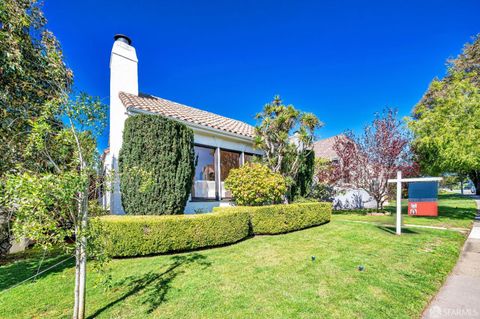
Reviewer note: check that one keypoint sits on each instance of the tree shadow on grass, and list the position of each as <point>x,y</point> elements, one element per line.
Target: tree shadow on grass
<point>17,267</point>
<point>456,212</point>
<point>393,230</point>
<point>154,285</point>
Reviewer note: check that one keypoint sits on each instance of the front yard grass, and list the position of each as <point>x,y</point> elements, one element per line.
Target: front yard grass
<point>454,211</point>
<point>262,277</point>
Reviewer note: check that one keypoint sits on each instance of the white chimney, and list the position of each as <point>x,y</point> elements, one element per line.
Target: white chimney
<point>123,78</point>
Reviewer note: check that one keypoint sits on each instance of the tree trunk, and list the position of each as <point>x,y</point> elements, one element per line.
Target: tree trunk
<point>475,177</point>
<point>81,257</point>
<point>461,186</point>
<point>378,205</point>
<point>77,275</point>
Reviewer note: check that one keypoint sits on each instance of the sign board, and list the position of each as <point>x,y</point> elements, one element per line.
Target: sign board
<point>399,180</point>
<point>423,198</point>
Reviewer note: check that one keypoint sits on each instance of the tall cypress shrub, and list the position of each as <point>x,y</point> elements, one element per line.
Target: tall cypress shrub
<point>156,165</point>
<point>304,179</point>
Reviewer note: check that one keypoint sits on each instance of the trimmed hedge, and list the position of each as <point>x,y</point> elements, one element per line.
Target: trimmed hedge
<point>277,219</point>
<point>156,164</point>
<point>126,236</point>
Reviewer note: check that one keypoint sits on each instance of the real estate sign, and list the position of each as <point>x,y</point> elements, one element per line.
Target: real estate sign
<point>423,198</point>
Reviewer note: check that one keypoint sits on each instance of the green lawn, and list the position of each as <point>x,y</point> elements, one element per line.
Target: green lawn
<point>262,277</point>
<point>454,211</point>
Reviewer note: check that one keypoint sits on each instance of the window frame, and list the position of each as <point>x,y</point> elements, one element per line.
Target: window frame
<point>218,173</point>
<point>240,164</point>
<point>215,156</point>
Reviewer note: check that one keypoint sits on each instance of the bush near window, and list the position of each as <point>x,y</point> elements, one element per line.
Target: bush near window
<point>322,192</point>
<point>156,165</point>
<point>255,184</point>
<point>277,219</point>
<point>127,236</point>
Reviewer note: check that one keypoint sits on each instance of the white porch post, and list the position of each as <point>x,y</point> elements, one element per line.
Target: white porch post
<point>399,202</point>
<point>218,177</point>
<point>242,158</point>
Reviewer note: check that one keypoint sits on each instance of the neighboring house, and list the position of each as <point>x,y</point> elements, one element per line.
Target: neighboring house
<point>348,197</point>
<point>221,143</point>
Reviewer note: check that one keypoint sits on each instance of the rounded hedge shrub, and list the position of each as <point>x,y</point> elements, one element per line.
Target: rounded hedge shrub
<point>277,219</point>
<point>255,184</point>
<point>156,165</point>
<point>126,236</point>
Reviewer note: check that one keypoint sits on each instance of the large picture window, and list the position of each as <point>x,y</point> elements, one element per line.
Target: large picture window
<point>213,168</point>
<point>228,160</point>
<point>204,179</point>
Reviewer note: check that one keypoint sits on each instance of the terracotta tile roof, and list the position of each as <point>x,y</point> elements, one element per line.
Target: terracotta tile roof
<point>185,113</point>
<point>324,148</point>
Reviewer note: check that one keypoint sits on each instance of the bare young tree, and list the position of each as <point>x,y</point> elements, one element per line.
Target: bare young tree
<point>369,160</point>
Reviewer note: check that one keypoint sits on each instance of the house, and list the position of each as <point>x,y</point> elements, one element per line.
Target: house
<point>221,143</point>
<point>347,197</point>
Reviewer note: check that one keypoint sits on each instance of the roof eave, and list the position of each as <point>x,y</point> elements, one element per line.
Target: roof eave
<point>200,127</point>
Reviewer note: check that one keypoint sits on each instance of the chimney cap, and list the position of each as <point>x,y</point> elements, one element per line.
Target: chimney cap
<point>122,38</point>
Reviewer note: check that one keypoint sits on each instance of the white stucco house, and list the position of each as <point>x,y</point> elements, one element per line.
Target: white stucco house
<point>347,197</point>
<point>221,143</point>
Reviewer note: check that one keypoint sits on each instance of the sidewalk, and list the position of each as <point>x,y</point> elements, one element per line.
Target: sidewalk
<point>460,295</point>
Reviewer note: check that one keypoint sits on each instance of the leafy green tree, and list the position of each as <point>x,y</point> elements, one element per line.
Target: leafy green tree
<point>286,136</point>
<point>48,207</point>
<point>46,165</point>
<point>453,181</point>
<point>32,72</point>
<point>446,122</point>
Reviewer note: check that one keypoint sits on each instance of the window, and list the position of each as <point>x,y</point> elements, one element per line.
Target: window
<point>209,166</point>
<point>228,160</point>
<point>204,179</point>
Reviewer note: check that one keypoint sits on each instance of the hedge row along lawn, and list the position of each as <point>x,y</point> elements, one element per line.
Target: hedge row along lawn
<point>278,219</point>
<point>130,236</point>
<point>263,277</point>
<point>127,236</point>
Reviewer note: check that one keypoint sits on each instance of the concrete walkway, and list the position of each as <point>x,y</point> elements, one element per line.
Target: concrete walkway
<point>460,295</point>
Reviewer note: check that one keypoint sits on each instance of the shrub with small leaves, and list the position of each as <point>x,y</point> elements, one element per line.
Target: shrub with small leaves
<point>255,185</point>
<point>126,236</point>
<point>283,218</point>
<point>322,192</point>
<point>157,163</point>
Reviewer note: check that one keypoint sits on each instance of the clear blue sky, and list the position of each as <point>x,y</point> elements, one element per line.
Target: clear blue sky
<point>342,60</point>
